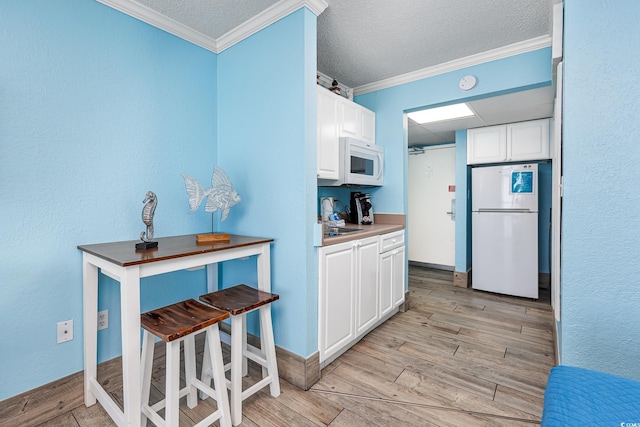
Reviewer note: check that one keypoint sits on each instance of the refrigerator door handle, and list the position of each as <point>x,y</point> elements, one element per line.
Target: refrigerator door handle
<point>488,210</point>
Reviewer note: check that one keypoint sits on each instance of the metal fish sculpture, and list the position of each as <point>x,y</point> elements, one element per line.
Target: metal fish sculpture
<point>147,215</point>
<point>221,195</point>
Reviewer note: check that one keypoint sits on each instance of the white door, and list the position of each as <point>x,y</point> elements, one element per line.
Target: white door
<point>431,230</point>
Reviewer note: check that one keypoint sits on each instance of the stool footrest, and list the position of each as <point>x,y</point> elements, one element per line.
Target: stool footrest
<point>257,355</point>
<point>253,353</point>
<point>209,391</point>
<point>257,386</point>
<point>153,416</point>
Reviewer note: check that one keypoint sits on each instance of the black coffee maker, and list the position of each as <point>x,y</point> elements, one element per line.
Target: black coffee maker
<point>361,208</point>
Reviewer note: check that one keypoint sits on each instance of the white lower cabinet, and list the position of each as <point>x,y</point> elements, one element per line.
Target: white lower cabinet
<point>392,271</point>
<point>336,299</point>
<point>399,268</point>
<point>367,251</point>
<point>359,284</point>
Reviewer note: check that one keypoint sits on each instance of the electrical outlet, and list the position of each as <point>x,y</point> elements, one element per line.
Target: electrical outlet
<point>103,319</point>
<point>65,331</point>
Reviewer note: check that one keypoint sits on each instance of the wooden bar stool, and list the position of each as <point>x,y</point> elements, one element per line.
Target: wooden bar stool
<point>239,301</point>
<point>174,324</point>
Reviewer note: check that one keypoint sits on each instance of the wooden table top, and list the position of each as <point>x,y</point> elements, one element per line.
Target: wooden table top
<point>125,253</point>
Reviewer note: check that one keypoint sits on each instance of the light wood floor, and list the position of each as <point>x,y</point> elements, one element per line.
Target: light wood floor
<point>458,357</point>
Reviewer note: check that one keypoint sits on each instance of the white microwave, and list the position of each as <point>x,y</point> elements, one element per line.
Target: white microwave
<point>360,165</point>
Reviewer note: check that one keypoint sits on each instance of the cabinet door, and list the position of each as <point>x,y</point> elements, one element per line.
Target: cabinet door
<point>528,140</point>
<point>348,118</point>
<point>336,298</point>
<point>487,145</point>
<point>367,251</point>
<point>328,142</point>
<point>386,283</point>
<point>399,261</point>
<point>367,125</point>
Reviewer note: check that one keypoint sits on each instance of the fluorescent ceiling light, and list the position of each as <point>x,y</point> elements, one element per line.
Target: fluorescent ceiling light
<point>441,114</point>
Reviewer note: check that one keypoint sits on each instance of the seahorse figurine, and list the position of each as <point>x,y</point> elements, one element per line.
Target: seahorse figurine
<point>147,215</point>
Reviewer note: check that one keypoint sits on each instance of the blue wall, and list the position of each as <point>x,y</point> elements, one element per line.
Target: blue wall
<point>463,204</point>
<point>544,217</point>
<point>520,72</point>
<point>267,144</point>
<point>600,223</point>
<point>96,108</point>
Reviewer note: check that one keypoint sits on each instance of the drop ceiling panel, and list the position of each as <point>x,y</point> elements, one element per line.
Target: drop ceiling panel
<point>421,136</point>
<point>515,107</point>
<point>513,101</point>
<point>453,125</point>
<point>512,116</point>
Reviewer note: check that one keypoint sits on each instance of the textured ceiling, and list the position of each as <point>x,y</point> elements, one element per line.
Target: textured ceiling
<point>361,42</point>
<point>211,17</point>
<point>364,41</point>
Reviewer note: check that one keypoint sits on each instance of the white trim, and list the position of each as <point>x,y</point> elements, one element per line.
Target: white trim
<point>457,64</point>
<point>266,18</point>
<point>244,30</point>
<point>163,22</point>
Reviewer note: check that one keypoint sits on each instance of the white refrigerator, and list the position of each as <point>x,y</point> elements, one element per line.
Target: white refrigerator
<point>504,211</point>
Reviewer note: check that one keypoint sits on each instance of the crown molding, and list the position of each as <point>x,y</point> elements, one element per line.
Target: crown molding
<point>244,30</point>
<point>266,18</point>
<point>163,22</point>
<point>457,64</point>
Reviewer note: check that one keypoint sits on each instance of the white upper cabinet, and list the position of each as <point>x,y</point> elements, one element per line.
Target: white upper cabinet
<point>349,118</point>
<point>487,145</point>
<point>367,126</point>
<point>328,142</point>
<point>337,116</point>
<point>528,140</point>
<point>509,143</point>
<point>355,121</point>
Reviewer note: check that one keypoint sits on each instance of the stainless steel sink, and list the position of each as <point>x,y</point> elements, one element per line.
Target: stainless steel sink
<point>332,232</point>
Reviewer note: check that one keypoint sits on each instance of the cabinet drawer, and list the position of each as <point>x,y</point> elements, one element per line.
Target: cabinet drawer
<point>391,241</point>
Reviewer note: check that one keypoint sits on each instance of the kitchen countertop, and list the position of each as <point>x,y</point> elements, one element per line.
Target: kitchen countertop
<point>369,231</point>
